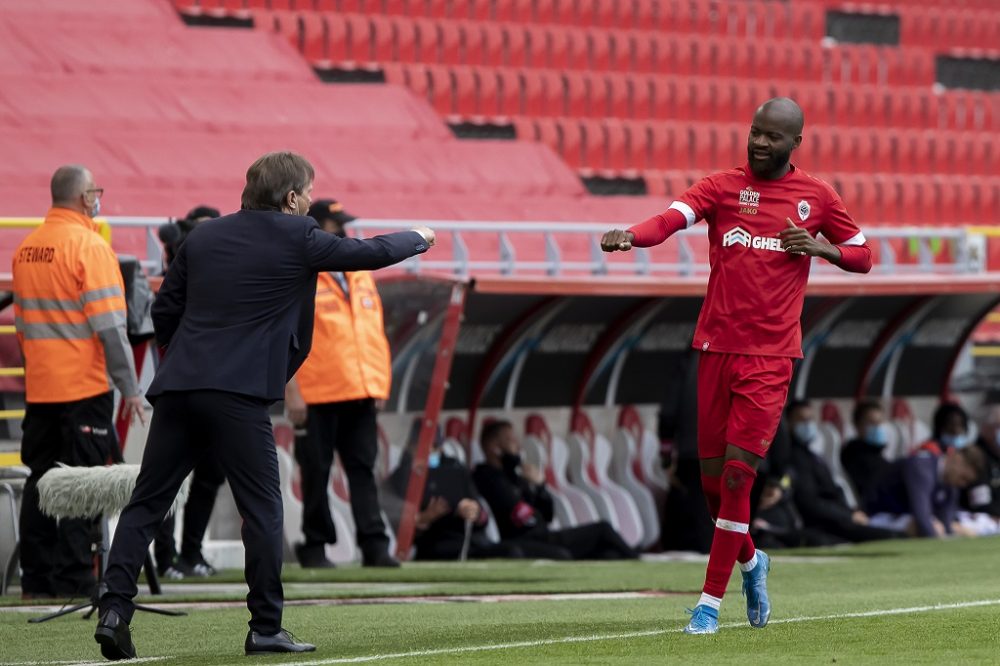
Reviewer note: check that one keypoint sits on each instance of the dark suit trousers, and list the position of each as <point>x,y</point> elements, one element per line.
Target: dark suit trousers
<point>187,425</point>
<point>349,428</point>
<point>56,556</point>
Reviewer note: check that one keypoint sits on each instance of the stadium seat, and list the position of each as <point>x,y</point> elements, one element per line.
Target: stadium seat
<point>629,521</point>
<point>465,101</point>
<point>625,463</point>
<point>582,507</point>
<point>578,471</point>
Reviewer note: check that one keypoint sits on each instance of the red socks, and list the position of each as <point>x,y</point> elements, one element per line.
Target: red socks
<point>728,499</point>
<point>711,486</point>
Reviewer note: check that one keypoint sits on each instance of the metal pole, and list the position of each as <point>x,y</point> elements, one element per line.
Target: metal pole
<point>428,429</point>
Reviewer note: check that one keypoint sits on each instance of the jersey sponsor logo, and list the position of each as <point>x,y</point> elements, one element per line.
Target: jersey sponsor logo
<point>736,236</point>
<point>749,201</point>
<point>740,236</point>
<point>749,197</point>
<point>804,210</point>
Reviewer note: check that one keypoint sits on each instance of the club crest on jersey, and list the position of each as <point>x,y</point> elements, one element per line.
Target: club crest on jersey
<point>804,210</point>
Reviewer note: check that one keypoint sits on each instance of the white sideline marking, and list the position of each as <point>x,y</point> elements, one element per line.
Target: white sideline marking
<point>556,641</point>
<point>79,663</point>
<point>631,634</point>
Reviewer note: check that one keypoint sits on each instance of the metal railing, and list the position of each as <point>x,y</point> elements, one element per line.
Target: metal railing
<point>967,248</point>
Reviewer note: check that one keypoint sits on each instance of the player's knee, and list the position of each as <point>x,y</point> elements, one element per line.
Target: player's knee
<point>737,477</point>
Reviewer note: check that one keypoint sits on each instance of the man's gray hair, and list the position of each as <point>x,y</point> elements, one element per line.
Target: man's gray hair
<point>68,182</point>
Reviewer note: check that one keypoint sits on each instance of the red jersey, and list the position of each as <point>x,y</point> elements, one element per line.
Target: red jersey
<point>755,289</point>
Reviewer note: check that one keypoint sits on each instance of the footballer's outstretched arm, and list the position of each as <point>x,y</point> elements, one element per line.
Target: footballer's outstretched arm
<point>652,232</point>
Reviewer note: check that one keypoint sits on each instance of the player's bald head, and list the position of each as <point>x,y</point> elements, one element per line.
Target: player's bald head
<point>781,112</point>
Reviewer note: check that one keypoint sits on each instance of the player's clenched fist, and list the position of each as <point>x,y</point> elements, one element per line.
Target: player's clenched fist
<point>616,239</point>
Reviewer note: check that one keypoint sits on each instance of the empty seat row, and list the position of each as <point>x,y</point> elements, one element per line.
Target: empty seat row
<point>945,28</point>
<point>615,146</point>
<point>749,18</point>
<point>134,102</point>
<point>919,200</point>
<point>493,94</point>
<point>155,49</point>
<point>354,40</point>
<point>895,5</point>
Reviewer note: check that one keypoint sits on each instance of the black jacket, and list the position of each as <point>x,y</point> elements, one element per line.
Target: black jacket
<point>818,498</point>
<point>519,507</point>
<point>235,310</point>
<point>864,466</point>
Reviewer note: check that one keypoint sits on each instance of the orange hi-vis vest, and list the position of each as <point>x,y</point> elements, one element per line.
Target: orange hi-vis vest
<point>350,357</point>
<point>67,286</point>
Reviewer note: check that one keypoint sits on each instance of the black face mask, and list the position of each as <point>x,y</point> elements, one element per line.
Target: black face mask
<point>510,462</point>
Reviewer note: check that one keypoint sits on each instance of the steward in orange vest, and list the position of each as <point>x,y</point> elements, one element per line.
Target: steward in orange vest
<point>334,396</point>
<point>69,313</point>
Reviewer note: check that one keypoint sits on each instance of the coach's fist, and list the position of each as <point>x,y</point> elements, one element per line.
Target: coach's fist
<point>616,239</point>
<point>427,233</point>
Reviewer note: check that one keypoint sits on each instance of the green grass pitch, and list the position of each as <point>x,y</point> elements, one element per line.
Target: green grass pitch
<point>942,601</point>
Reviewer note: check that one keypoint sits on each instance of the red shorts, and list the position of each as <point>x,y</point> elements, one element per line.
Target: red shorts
<point>740,399</point>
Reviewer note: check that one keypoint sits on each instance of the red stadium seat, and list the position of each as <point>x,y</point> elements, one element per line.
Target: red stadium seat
<point>642,97</point>
<point>515,46</point>
<point>449,44</point>
<point>440,89</point>
<point>383,40</point>
<point>599,48</point>
<point>618,96</point>
<point>594,146</point>
<point>417,40</point>
<point>571,143</point>
<point>578,95</point>
<point>492,45</point>
<point>619,147</point>
<point>465,103</point>
<point>506,87</point>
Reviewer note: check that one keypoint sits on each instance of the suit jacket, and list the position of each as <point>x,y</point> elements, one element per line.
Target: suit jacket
<point>913,485</point>
<point>235,311</point>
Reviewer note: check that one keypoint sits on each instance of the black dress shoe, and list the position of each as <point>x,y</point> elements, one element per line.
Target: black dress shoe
<point>114,637</point>
<point>381,560</point>
<point>283,641</point>
<point>313,557</point>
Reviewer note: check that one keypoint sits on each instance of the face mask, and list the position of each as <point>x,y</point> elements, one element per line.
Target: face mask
<point>876,435</point>
<point>510,461</point>
<point>95,210</point>
<point>434,460</point>
<point>955,441</point>
<point>805,431</point>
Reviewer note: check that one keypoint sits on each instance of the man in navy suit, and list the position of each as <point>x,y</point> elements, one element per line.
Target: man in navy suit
<point>235,314</point>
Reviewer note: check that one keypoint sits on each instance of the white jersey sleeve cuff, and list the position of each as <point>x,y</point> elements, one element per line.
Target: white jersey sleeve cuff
<point>686,211</point>
<point>857,239</point>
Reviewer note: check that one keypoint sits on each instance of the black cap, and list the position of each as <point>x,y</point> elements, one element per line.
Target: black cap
<point>330,209</point>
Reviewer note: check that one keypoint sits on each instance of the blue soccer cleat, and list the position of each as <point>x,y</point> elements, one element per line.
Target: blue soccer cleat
<point>755,590</point>
<point>704,620</point>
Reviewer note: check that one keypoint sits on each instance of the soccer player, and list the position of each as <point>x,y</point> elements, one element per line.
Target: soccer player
<point>763,221</point>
